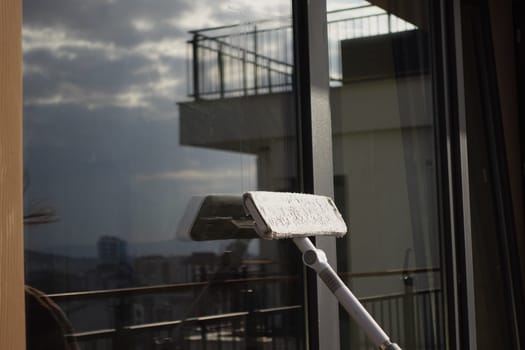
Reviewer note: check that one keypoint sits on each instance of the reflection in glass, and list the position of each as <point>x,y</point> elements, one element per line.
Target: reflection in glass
<point>131,109</point>
<point>384,167</point>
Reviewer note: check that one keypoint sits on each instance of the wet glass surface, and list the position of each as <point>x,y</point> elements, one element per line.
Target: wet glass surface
<point>131,109</point>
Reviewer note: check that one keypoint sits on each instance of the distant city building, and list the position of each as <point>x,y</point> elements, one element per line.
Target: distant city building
<point>112,250</point>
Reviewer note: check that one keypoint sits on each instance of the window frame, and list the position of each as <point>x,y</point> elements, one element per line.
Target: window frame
<point>12,311</point>
<point>314,144</point>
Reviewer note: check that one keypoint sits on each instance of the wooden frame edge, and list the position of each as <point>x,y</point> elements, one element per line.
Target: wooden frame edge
<point>12,311</point>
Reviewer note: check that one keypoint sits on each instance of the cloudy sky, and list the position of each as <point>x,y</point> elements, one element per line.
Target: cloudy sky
<point>101,128</point>
<point>102,79</point>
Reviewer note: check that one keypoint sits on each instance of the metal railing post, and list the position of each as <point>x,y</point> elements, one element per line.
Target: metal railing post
<point>121,335</point>
<point>204,336</point>
<point>269,73</point>
<point>408,307</point>
<point>195,46</point>
<point>244,77</point>
<point>408,314</point>
<point>220,64</point>
<point>219,336</point>
<point>255,54</point>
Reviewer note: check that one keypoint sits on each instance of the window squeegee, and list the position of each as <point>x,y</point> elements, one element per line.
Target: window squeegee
<point>279,215</point>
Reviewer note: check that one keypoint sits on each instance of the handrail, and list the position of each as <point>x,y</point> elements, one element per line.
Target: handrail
<point>358,17</point>
<point>161,288</point>
<point>157,289</point>
<point>251,88</point>
<point>388,272</point>
<point>397,295</point>
<point>166,324</point>
<point>210,29</point>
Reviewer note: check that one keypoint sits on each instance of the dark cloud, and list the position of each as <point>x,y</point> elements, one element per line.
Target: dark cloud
<point>113,21</point>
<point>103,20</point>
<point>111,167</point>
<point>90,69</point>
<point>93,78</point>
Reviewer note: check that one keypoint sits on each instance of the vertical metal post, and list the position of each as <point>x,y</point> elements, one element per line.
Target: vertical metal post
<point>244,77</point>
<point>255,54</point>
<point>251,321</point>
<point>195,44</point>
<point>408,313</point>
<point>120,314</point>
<point>312,104</point>
<point>409,325</point>
<point>466,291</point>
<point>219,337</point>
<point>220,65</point>
<point>269,73</point>
<point>204,336</point>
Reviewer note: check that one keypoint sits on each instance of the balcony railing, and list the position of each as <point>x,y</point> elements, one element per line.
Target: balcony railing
<point>257,57</point>
<point>412,317</point>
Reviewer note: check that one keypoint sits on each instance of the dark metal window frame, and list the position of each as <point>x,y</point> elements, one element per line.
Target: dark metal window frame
<point>311,83</point>
<point>492,119</point>
<point>455,228</point>
<point>463,324</point>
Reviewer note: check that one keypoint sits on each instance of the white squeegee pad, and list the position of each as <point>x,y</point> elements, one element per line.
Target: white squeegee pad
<point>281,215</point>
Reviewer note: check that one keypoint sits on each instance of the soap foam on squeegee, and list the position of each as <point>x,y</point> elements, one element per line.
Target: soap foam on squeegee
<point>280,215</point>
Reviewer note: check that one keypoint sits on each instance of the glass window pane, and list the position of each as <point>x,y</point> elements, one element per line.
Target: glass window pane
<point>131,109</point>
<point>385,167</point>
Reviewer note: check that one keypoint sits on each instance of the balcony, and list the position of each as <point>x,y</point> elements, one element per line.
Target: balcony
<point>257,57</point>
<point>406,316</point>
<point>247,70</point>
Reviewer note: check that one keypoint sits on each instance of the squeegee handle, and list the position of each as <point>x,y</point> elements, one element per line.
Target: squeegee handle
<point>316,259</point>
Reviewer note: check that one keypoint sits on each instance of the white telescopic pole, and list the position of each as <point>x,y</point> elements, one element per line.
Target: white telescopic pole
<point>316,259</point>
